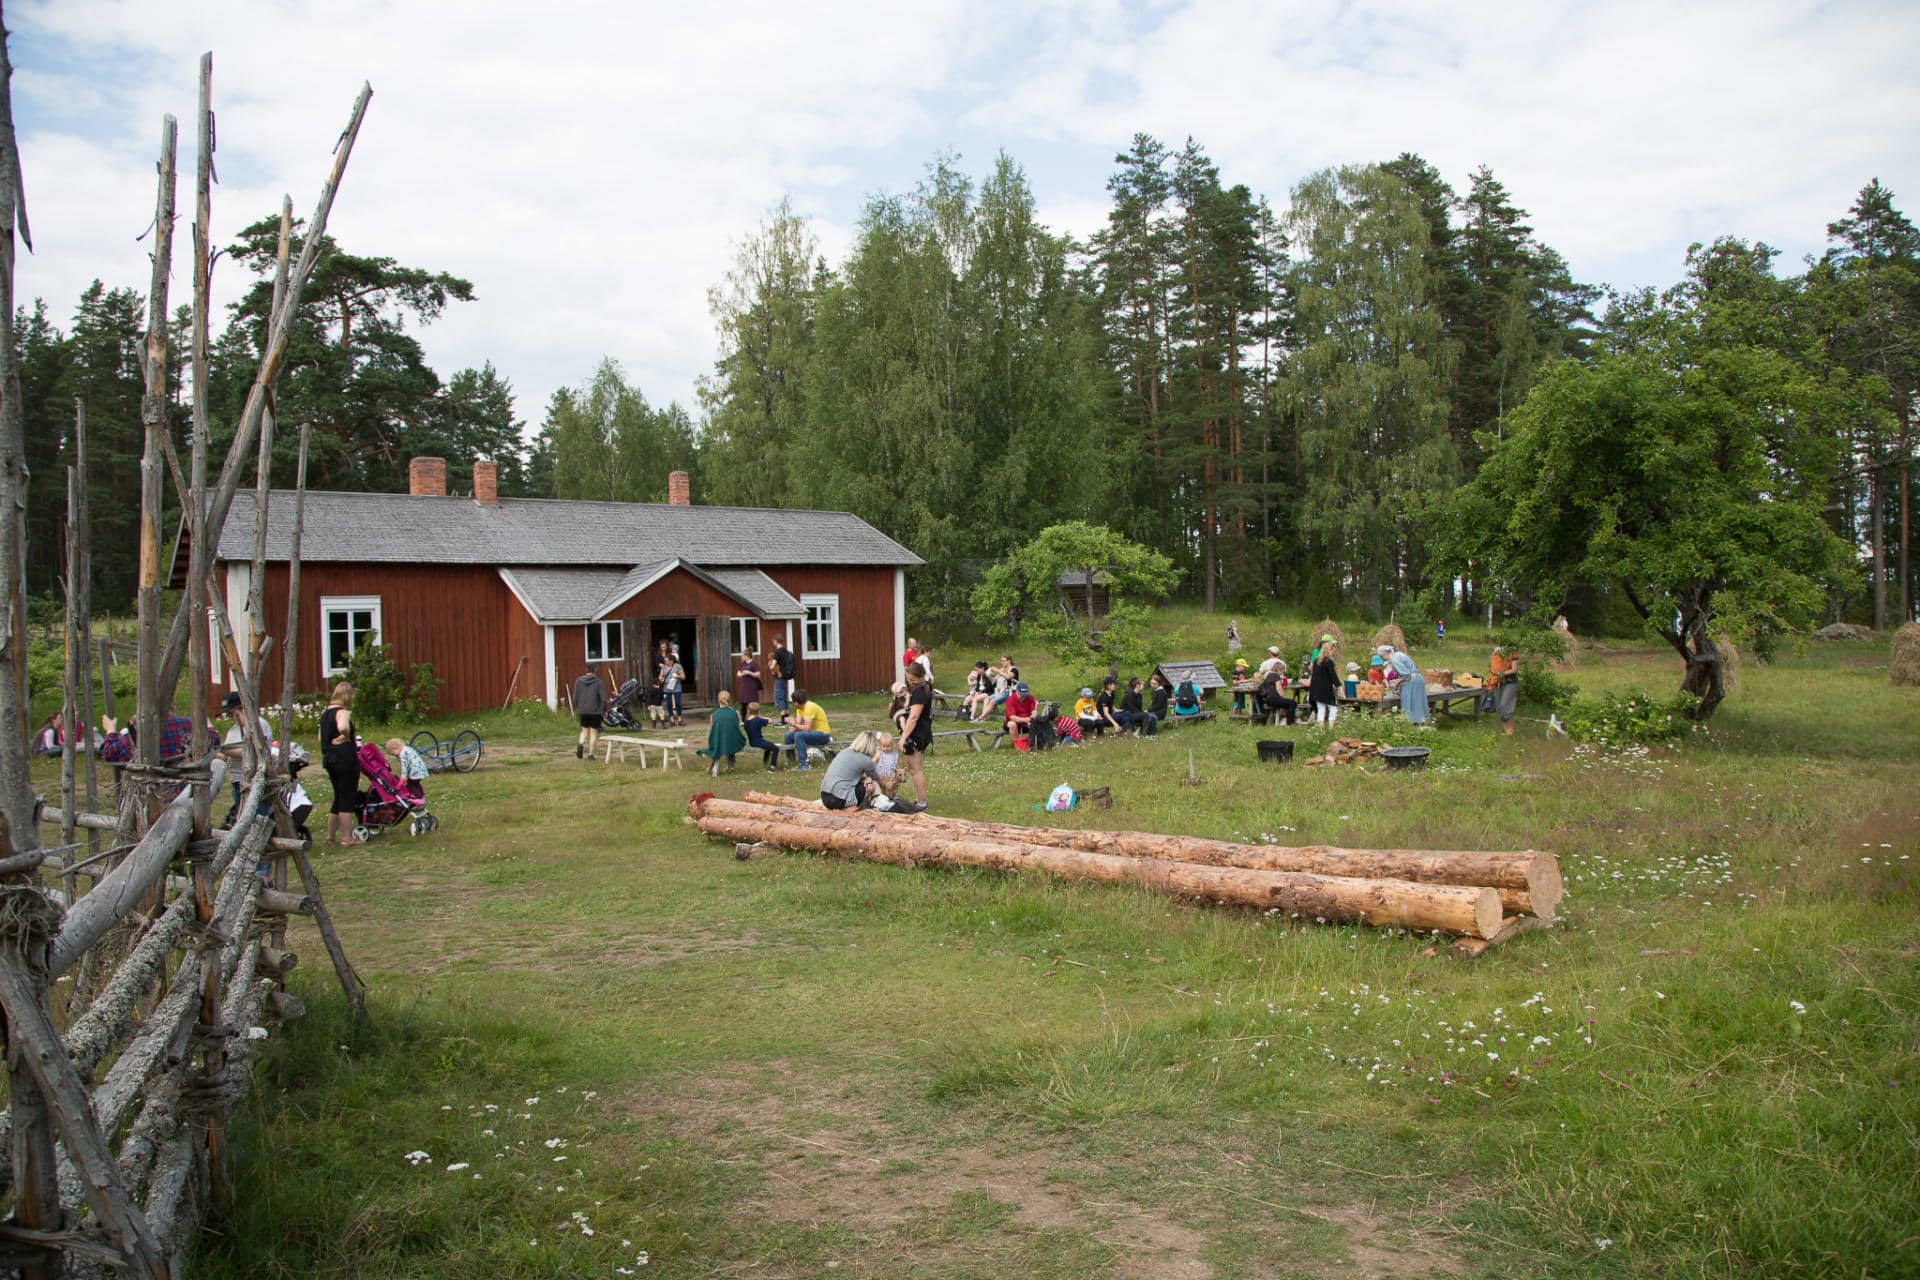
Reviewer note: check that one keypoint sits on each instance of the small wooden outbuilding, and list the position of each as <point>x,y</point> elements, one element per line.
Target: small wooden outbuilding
<point>1081,593</point>
<point>1205,676</point>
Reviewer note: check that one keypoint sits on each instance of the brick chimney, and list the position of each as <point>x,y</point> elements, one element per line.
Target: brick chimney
<point>679,493</point>
<point>486,483</point>
<point>427,477</point>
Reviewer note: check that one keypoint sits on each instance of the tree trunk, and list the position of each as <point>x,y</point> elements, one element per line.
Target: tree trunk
<point>1401,903</point>
<point>1879,525</point>
<point>1705,678</point>
<point>1528,882</point>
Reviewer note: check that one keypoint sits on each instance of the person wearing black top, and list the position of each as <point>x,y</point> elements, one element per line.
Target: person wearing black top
<point>340,757</point>
<point>1103,707</point>
<point>1323,688</point>
<point>1158,693</point>
<point>1273,701</point>
<point>783,665</point>
<point>1134,714</point>
<point>916,731</point>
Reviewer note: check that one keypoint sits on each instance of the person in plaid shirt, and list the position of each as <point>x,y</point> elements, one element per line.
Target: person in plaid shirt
<point>176,742</point>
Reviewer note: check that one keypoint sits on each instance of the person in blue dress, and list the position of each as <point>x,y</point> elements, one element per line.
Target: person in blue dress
<point>1413,687</point>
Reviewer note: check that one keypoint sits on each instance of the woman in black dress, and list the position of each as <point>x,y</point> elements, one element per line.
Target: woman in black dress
<point>1323,688</point>
<point>339,756</point>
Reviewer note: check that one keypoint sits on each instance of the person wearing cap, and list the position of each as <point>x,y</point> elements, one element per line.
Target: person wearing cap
<point>1503,676</point>
<point>234,743</point>
<point>1376,670</point>
<point>1272,661</point>
<point>1020,708</point>
<point>1240,677</point>
<point>1353,679</point>
<point>1086,713</point>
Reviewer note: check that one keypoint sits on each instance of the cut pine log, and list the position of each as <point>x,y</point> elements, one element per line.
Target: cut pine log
<point>1528,882</point>
<point>1448,908</point>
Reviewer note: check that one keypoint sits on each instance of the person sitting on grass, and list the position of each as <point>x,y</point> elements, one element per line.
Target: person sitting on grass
<point>1134,713</point>
<point>724,739</point>
<point>853,780</point>
<point>754,726</point>
<point>1086,713</point>
<point>409,768</point>
<point>1020,712</point>
<point>1067,729</point>
<point>807,728</point>
<point>979,699</point>
<point>1103,707</point>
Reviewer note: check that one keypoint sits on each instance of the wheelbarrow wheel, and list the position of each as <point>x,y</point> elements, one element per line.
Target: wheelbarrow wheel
<point>466,750</point>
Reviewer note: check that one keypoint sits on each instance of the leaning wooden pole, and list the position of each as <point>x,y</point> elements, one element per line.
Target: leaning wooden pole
<point>72,646</point>
<point>152,707</point>
<point>82,587</point>
<point>1402,903</point>
<point>279,334</point>
<point>1528,882</point>
<point>291,645</point>
<point>200,555</point>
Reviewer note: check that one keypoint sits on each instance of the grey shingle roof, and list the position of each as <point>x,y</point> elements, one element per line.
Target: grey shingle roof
<point>1203,674</point>
<point>760,591</point>
<point>402,528</point>
<point>556,594</point>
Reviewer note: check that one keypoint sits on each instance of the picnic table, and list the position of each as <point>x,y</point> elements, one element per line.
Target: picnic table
<point>1440,701</point>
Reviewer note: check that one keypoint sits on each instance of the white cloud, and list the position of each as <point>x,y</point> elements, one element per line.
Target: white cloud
<point>590,166</point>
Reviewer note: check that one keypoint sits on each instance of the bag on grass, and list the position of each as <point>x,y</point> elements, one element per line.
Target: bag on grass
<point>1062,799</point>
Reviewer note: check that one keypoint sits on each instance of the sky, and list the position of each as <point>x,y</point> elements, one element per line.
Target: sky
<point>591,167</point>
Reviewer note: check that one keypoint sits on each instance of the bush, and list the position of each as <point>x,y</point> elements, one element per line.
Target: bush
<point>385,694</point>
<point>1629,719</point>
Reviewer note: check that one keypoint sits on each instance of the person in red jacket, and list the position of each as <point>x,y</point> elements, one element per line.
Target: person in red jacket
<point>1020,711</point>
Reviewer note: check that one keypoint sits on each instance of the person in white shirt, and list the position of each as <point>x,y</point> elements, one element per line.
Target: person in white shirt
<point>1273,662</point>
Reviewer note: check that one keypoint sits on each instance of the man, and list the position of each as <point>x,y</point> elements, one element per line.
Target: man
<point>784,670</point>
<point>807,727</point>
<point>590,704</point>
<point>1020,712</point>
<point>234,743</point>
<point>1273,661</point>
<point>916,732</point>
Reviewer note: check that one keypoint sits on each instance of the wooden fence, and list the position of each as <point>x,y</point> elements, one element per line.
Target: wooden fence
<point>164,936</point>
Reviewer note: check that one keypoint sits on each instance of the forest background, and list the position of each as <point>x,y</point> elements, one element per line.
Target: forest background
<point>1292,404</point>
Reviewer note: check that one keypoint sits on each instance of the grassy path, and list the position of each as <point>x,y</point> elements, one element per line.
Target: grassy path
<point>590,1019</point>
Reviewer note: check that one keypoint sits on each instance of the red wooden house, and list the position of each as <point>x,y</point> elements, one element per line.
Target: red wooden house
<point>516,597</point>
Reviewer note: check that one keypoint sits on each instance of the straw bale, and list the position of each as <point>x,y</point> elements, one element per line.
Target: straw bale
<point>1906,655</point>
<point>1327,627</point>
<point>1390,634</point>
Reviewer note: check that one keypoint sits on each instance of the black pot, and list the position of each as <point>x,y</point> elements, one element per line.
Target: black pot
<point>1275,751</point>
<point>1406,757</point>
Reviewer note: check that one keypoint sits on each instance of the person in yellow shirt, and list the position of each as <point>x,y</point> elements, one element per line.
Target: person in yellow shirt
<point>807,727</point>
<point>1087,711</point>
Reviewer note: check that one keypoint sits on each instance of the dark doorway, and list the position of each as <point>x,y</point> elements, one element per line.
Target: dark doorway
<point>684,632</point>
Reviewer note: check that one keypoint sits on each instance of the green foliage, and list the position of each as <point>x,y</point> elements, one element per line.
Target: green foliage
<point>608,444</point>
<point>383,693</point>
<point>1021,595</point>
<point>1688,464</point>
<point>1632,718</point>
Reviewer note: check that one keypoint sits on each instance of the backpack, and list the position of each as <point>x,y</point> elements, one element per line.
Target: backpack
<point>1186,697</point>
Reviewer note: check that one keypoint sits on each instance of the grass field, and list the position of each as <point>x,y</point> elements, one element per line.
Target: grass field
<point>600,1046</point>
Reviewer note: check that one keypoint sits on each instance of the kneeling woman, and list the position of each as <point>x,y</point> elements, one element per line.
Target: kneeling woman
<point>855,780</point>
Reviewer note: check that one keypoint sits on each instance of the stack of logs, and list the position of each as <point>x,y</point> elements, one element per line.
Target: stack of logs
<point>1483,896</point>
<point>1348,751</point>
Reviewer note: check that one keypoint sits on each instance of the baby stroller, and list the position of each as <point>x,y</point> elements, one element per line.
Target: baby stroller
<point>620,709</point>
<point>387,803</point>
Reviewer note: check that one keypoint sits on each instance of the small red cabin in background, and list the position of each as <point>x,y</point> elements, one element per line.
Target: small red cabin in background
<point>516,597</point>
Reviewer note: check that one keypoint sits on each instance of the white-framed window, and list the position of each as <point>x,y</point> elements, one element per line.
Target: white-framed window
<point>603,642</point>
<point>820,633</point>
<point>346,623</point>
<point>745,635</point>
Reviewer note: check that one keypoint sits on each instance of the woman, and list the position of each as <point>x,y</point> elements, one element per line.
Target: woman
<point>1133,709</point>
<point>1323,687</point>
<point>725,740</point>
<point>1413,687</point>
<point>853,780</point>
<point>339,756</point>
<point>746,681</point>
<point>1233,635</point>
<point>671,682</point>
<point>916,732</point>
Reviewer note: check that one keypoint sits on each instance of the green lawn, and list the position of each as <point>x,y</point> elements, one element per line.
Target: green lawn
<point>591,1019</point>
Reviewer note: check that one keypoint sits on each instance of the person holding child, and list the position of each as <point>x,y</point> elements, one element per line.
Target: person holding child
<point>854,780</point>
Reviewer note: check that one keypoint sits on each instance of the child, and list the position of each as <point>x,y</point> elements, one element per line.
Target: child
<point>657,704</point>
<point>1086,715</point>
<point>299,803</point>
<point>897,707</point>
<point>754,725</point>
<point>887,760</point>
<point>1353,679</point>
<point>412,769</point>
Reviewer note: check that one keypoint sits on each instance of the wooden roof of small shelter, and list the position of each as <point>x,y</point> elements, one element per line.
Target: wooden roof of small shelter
<point>1204,675</point>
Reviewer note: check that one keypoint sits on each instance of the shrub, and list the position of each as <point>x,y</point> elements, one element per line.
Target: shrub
<point>1629,719</point>
<point>385,694</point>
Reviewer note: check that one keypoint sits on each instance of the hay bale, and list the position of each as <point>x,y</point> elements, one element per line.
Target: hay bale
<point>1390,634</point>
<point>1326,627</point>
<point>1729,664</point>
<point>1843,632</point>
<point>1906,655</point>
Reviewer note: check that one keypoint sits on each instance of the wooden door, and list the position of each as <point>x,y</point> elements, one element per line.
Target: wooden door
<point>636,642</point>
<point>716,663</point>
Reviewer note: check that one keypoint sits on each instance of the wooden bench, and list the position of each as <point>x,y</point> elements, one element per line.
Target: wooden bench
<point>991,734</point>
<point>1174,717</point>
<point>669,748</point>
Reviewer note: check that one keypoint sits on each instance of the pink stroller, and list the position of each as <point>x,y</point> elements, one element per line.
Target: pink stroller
<point>388,802</point>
